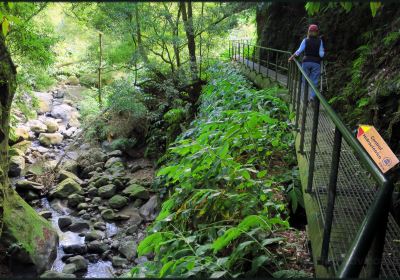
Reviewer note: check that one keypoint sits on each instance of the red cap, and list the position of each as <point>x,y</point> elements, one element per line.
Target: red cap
<point>313,28</point>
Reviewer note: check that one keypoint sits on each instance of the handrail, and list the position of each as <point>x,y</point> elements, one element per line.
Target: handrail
<point>371,233</point>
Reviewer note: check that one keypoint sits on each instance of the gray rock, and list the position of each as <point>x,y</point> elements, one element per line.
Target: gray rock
<point>112,161</point>
<point>118,201</point>
<point>30,195</point>
<point>149,210</point>
<point>102,181</point>
<point>56,275</point>
<point>65,188</point>
<point>128,249</point>
<point>118,261</point>
<point>92,192</point>
<point>78,249</point>
<point>51,125</point>
<point>96,201</point>
<point>69,268</point>
<point>132,229</point>
<point>45,101</point>
<point>46,214</point>
<point>141,260</point>
<point>16,166</point>
<point>97,247</point>
<point>79,226</point>
<point>37,126</point>
<point>107,191</point>
<point>115,153</point>
<point>64,174</point>
<point>82,206</point>
<point>64,222</point>
<point>75,199</point>
<point>26,185</point>
<point>79,262</point>
<point>48,139</point>
<point>108,214</point>
<point>93,235</point>
<point>136,191</point>
<point>100,226</point>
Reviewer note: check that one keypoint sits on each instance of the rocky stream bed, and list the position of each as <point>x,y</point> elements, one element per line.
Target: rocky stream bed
<point>98,201</point>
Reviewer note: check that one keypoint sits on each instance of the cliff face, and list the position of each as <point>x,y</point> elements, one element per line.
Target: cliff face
<point>362,55</point>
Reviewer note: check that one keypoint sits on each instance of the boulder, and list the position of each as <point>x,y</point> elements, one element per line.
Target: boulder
<point>115,153</point>
<point>75,199</point>
<point>136,191</point>
<point>118,261</point>
<point>46,214</point>
<point>93,235</point>
<point>82,206</point>
<point>21,133</point>
<point>16,166</point>
<point>56,275</point>
<point>79,226</point>
<point>92,192</point>
<point>73,81</point>
<point>97,247</point>
<point>65,188</point>
<point>64,222</point>
<point>78,249</point>
<point>45,101</point>
<point>99,226</point>
<point>80,262</point>
<point>102,181</point>
<point>128,249</point>
<point>37,126</point>
<point>48,139</point>
<point>26,185</point>
<point>69,268</point>
<point>107,191</point>
<point>108,214</point>
<point>58,93</point>
<point>23,146</point>
<point>118,201</point>
<point>64,112</point>
<point>37,240</point>
<point>51,125</point>
<point>30,195</point>
<point>149,210</point>
<point>64,174</point>
<point>15,152</point>
<point>113,161</point>
<point>70,165</point>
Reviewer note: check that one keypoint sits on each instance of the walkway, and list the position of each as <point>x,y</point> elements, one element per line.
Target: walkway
<point>355,192</point>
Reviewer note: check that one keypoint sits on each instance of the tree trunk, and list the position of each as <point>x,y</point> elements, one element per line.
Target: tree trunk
<point>187,18</point>
<point>8,86</point>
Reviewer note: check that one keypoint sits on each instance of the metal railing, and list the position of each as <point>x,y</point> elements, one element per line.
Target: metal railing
<point>370,237</point>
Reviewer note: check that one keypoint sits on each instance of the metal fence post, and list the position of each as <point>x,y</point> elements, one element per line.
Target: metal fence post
<point>337,143</point>
<point>267,63</point>
<point>304,116</point>
<point>313,145</point>
<point>276,67</point>
<point>259,60</point>
<point>248,54</point>
<point>254,56</point>
<point>298,100</point>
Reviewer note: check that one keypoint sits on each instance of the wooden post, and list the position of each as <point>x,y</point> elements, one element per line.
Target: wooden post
<point>100,66</point>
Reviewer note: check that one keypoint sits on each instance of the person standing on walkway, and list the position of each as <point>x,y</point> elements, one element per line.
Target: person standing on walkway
<point>313,49</point>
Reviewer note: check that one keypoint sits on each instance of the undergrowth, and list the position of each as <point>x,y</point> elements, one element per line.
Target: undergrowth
<point>225,180</point>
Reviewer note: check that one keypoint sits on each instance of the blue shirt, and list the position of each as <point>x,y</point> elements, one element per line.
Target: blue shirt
<point>303,47</point>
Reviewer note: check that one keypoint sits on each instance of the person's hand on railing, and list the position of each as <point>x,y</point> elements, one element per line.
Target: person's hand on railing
<point>292,57</point>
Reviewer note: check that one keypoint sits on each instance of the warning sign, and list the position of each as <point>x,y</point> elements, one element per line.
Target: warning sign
<point>376,147</point>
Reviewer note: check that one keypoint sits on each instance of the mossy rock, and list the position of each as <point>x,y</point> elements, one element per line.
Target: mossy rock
<point>73,80</point>
<point>33,239</point>
<point>65,188</point>
<point>63,174</point>
<point>118,201</point>
<point>136,191</point>
<point>23,145</point>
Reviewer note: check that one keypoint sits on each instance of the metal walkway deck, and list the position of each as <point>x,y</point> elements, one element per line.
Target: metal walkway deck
<point>355,188</point>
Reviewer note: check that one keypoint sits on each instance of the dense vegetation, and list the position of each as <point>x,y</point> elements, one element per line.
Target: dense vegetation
<point>225,180</point>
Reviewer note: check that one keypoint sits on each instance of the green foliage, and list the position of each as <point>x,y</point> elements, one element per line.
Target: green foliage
<point>314,7</point>
<point>226,202</point>
<point>391,38</point>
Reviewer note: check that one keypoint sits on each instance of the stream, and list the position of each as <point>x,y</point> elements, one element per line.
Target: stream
<point>99,222</point>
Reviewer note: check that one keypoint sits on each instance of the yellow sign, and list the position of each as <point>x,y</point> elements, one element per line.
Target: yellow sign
<point>376,147</point>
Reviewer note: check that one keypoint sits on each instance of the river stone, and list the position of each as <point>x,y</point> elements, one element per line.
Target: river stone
<point>132,229</point>
<point>15,152</point>
<point>118,261</point>
<point>99,226</point>
<point>46,214</point>
<point>108,214</point>
<point>70,165</point>
<point>16,165</point>
<point>64,112</point>
<point>92,192</point>
<point>136,191</point>
<point>102,181</point>
<point>48,139</point>
<point>112,161</point>
<point>149,210</point>
<point>51,125</point>
<point>23,146</point>
<point>69,268</point>
<point>80,262</point>
<point>26,185</point>
<point>107,191</point>
<point>63,174</point>
<point>133,214</point>
<point>82,206</point>
<point>79,249</point>
<point>118,201</point>
<point>73,80</point>
<point>96,201</point>
<point>56,275</point>
<point>74,199</point>
<point>65,188</point>
<point>45,101</point>
<point>93,235</point>
<point>97,247</point>
<point>30,195</point>
<point>115,153</point>
<point>79,226</point>
<point>128,249</point>
<point>37,126</point>
<point>21,133</point>
<point>64,222</point>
